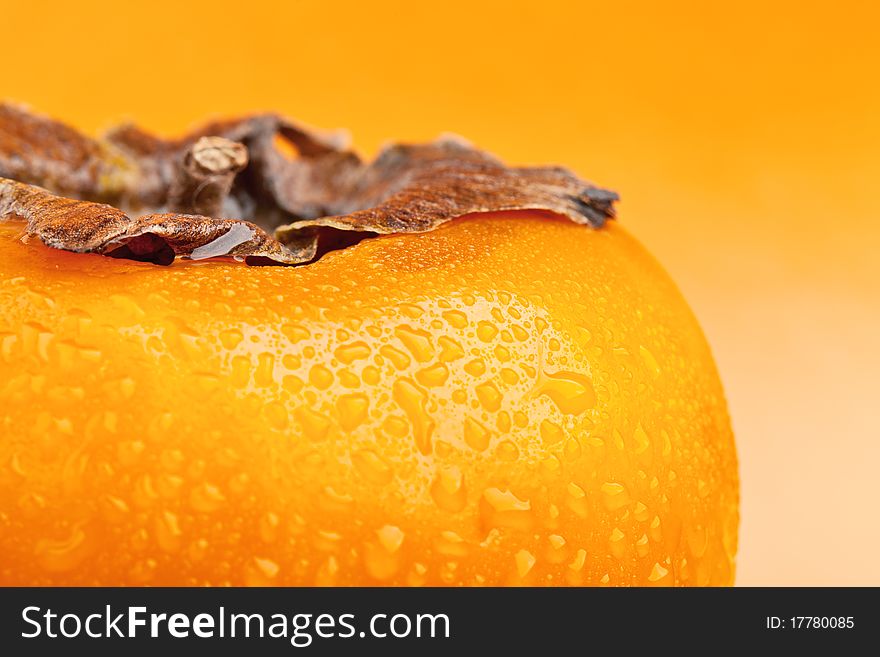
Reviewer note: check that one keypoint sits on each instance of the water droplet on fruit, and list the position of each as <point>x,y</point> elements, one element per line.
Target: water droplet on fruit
<point>519,333</point>
<point>417,342</point>
<point>381,557</point>
<point>617,544</point>
<point>130,311</point>
<point>476,435</point>
<point>572,393</point>
<point>370,375</point>
<point>399,359</point>
<point>525,561</point>
<point>349,353</point>
<point>551,432</point>
<point>295,332</point>
<point>411,310</point>
<point>411,398</point>
<point>206,498</point>
<point>65,554</point>
<point>486,331</point>
<point>352,410</point>
<point>448,489</point>
<point>315,425</point>
<point>650,361</point>
<point>320,377</point>
<point>475,367</point>
<point>576,500</point>
<point>241,371</point>
<point>433,375</point>
<point>503,422</point>
<point>507,451</point>
<point>614,495</point>
<point>390,538</point>
<point>642,443</point>
<point>489,396</point>
<point>168,532</point>
<point>327,572</point>
<point>502,508</point>
<point>268,526</point>
<point>231,338</point>
<point>450,350</point>
<point>659,576</point>
<point>260,572</point>
<point>276,415</point>
<point>580,558</point>
<point>456,318</point>
<point>371,466</point>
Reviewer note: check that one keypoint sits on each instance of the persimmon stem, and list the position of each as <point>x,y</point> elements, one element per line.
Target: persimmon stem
<point>204,176</point>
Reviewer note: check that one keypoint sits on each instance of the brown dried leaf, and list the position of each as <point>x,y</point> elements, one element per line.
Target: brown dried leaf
<point>325,199</point>
<point>131,168</point>
<point>410,189</point>
<point>87,227</point>
<point>40,151</point>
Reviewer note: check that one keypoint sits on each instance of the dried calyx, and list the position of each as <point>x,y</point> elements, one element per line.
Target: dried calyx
<point>82,194</point>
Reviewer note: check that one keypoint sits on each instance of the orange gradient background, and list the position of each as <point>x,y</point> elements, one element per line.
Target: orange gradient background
<point>745,142</point>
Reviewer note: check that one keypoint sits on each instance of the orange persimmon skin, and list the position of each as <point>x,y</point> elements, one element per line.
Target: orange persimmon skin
<point>510,399</point>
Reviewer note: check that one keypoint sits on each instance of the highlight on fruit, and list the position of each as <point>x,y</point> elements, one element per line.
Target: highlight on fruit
<point>447,372</point>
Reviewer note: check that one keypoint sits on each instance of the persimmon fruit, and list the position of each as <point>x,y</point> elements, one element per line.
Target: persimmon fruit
<point>511,399</point>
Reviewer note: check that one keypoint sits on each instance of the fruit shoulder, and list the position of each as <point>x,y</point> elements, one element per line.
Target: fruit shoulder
<point>505,400</point>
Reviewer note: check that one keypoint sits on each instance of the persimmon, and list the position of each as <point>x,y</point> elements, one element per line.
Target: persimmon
<point>507,399</point>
